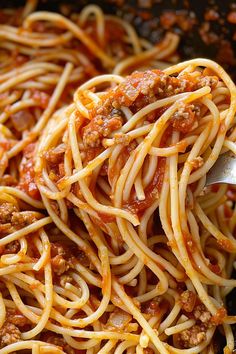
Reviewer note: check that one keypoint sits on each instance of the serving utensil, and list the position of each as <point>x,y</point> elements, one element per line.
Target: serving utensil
<point>224,170</point>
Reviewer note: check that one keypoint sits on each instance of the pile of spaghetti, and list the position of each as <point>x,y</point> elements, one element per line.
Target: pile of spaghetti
<point>109,240</point>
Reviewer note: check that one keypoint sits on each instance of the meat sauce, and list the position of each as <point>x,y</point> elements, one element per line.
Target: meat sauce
<point>151,192</point>
<point>27,175</point>
<point>137,91</point>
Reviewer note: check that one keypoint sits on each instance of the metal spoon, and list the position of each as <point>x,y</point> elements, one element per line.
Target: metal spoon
<point>223,171</point>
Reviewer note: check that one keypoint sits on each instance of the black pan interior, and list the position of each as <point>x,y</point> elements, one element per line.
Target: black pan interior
<point>205,27</point>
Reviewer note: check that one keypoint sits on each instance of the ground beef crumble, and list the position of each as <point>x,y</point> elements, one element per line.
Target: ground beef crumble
<point>137,91</point>
<point>12,247</point>
<point>55,155</point>
<point>192,307</point>
<point>59,265</point>
<point>15,317</point>
<point>188,300</point>
<point>184,118</point>
<point>6,212</point>
<point>62,259</point>
<point>9,334</point>
<point>11,219</point>
<point>101,126</point>
<point>192,336</point>
<point>152,307</point>
<point>23,218</point>
<point>58,341</point>
<point>202,314</point>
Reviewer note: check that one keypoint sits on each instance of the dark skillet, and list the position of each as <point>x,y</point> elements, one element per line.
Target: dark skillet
<point>206,28</point>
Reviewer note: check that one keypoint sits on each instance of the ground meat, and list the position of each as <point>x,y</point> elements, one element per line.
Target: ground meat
<point>197,162</point>
<point>12,247</point>
<point>58,249</point>
<point>188,300</point>
<point>55,155</point>
<point>65,279</point>
<point>23,218</point>
<point>9,333</point>
<point>192,336</point>
<point>226,53</point>
<point>59,265</point>
<point>211,81</point>
<point>57,340</point>
<point>6,211</point>
<point>141,88</point>
<point>152,307</point>
<point>16,318</point>
<point>202,314</point>
<point>184,118</point>
<point>5,229</point>
<point>62,258</point>
<point>27,175</point>
<point>137,91</point>
<point>123,139</point>
<point>103,124</point>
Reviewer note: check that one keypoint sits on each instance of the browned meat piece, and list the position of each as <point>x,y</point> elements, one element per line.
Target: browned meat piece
<point>202,314</point>
<point>16,318</point>
<point>57,340</point>
<point>197,162</point>
<point>211,81</point>
<point>152,307</point>
<point>192,336</point>
<point>188,300</point>
<point>65,279</point>
<point>23,218</point>
<point>232,17</point>
<point>12,247</point>
<point>55,156</point>
<point>102,126</point>
<point>9,333</point>
<point>137,91</point>
<point>6,211</point>
<point>59,264</point>
<point>57,249</point>
<point>184,118</point>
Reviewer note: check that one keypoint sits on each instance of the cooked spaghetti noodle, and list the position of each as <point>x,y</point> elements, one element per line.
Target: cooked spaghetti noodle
<point>110,241</point>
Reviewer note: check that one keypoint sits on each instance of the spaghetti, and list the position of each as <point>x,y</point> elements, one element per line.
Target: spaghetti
<point>110,241</point>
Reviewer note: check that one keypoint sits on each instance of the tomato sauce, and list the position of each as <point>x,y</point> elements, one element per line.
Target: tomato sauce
<point>27,175</point>
<point>219,317</point>
<point>151,192</point>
